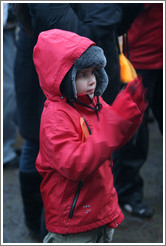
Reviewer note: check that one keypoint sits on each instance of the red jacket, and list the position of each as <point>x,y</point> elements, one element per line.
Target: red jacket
<point>146,38</point>
<point>77,187</point>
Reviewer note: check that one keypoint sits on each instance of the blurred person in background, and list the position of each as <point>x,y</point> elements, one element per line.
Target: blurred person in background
<point>145,46</point>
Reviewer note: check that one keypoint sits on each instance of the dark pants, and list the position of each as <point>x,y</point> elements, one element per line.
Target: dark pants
<point>30,181</point>
<point>130,158</point>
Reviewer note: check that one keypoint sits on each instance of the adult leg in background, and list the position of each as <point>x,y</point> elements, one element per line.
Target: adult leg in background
<point>9,100</point>
<point>30,181</point>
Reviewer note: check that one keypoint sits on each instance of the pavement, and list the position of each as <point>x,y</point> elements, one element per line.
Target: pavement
<point>132,229</point>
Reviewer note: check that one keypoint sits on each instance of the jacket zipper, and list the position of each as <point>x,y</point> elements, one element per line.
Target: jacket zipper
<point>89,130</point>
<point>80,184</point>
<point>75,199</point>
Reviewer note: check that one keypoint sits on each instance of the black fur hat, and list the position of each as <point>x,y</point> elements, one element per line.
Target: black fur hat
<point>92,57</point>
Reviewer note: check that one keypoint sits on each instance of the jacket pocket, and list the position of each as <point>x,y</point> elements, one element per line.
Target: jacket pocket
<point>75,199</point>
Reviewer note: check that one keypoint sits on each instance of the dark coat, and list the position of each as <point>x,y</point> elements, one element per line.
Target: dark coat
<point>91,20</point>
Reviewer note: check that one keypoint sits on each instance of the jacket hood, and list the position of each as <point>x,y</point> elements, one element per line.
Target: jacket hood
<point>54,54</point>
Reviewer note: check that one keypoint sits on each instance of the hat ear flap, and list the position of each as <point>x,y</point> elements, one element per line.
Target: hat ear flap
<point>102,81</point>
<point>73,77</point>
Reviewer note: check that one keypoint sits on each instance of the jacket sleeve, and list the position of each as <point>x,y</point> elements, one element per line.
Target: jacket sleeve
<point>45,16</point>
<point>61,147</point>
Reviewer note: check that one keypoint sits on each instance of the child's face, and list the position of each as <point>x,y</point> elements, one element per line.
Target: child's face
<point>86,81</point>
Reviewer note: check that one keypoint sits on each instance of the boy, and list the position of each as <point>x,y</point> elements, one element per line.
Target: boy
<point>78,134</point>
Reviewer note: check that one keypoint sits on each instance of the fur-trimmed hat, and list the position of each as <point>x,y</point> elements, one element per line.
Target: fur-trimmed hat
<point>92,57</point>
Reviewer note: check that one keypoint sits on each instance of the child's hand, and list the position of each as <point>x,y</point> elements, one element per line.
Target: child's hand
<point>137,92</point>
<point>130,103</point>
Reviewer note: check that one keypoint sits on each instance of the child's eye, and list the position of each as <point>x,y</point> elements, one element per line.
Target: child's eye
<point>86,74</point>
<point>83,75</point>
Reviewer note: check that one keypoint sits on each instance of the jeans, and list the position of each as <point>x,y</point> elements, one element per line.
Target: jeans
<point>9,100</point>
<point>28,157</point>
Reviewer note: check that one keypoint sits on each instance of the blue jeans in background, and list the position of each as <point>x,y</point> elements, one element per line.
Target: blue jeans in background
<point>9,100</point>
<point>28,157</point>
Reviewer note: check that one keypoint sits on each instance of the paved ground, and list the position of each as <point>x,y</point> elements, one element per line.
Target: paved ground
<point>132,230</point>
